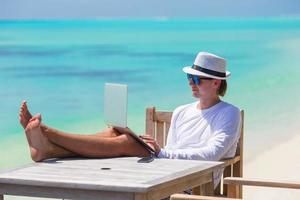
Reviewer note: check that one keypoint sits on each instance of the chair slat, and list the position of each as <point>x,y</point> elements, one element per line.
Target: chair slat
<point>150,121</point>
<point>160,133</point>
<point>167,127</point>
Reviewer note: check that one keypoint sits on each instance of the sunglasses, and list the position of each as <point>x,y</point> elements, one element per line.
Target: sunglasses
<point>196,79</point>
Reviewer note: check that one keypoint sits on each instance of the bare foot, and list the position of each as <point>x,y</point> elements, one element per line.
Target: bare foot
<point>40,146</point>
<point>24,115</point>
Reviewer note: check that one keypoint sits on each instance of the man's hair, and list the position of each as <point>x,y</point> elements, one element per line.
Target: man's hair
<point>222,89</point>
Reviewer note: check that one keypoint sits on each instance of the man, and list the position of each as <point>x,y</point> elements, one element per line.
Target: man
<point>207,129</point>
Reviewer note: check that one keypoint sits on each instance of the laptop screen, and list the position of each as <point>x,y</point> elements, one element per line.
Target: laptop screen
<point>115,104</point>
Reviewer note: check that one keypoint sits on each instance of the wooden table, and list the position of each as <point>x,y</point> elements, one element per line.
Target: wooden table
<point>108,179</point>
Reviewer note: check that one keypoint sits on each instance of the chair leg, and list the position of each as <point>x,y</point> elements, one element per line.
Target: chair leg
<point>238,172</point>
<point>226,173</point>
<point>235,191</point>
<point>1,197</point>
<point>209,189</point>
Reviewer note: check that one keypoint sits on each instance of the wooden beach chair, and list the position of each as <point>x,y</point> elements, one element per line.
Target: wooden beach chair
<point>158,124</point>
<point>235,181</point>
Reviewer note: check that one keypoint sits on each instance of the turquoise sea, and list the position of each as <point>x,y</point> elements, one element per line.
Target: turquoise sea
<point>60,68</point>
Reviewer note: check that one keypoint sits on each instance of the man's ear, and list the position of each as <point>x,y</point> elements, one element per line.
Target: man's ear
<point>216,83</point>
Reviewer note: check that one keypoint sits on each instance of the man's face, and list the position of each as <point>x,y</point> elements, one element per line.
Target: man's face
<point>205,89</point>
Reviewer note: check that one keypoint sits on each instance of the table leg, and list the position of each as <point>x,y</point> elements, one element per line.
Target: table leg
<point>209,189</point>
<point>1,197</point>
<point>206,189</point>
<point>196,190</point>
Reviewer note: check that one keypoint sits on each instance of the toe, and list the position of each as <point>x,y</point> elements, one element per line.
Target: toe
<point>39,116</point>
<point>31,125</point>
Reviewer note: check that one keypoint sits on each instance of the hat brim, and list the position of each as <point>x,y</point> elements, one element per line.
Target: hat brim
<point>190,70</point>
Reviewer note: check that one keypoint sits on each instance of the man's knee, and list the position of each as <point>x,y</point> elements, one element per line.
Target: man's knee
<point>130,147</point>
<point>112,132</point>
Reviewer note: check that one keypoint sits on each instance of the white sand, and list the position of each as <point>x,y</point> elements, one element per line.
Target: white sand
<point>279,163</point>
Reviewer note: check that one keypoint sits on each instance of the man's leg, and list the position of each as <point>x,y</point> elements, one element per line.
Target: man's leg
<point>109,132</point>
<point>40,146</point>
<point>41,141</point>
<point>113,145</point>
<point>25,116</point>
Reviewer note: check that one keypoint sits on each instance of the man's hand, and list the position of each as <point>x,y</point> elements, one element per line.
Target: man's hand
<point>151,142</point>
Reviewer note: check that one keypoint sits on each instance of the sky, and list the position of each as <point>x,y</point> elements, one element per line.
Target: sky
<point>90,9</point>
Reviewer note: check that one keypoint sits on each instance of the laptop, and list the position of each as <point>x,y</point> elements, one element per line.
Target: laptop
<point>115,111</point>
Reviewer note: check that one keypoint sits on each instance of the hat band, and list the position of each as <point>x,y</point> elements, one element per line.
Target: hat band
<point>208,71</point>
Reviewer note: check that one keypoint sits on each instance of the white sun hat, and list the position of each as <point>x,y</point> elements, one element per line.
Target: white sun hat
<point>208,65</point>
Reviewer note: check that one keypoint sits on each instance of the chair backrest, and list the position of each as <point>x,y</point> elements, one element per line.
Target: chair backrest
<point>158,124</point>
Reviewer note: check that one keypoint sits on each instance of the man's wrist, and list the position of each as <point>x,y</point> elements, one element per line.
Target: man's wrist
<point>157,150</point>
<point>161,153</point>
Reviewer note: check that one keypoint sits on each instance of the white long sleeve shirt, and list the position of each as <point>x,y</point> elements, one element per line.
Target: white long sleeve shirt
<point>208,134</point>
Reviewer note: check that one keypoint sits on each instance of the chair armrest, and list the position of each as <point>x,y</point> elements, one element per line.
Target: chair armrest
<point>230,161</point>
<point>261,183</point>
<point>197,197</point>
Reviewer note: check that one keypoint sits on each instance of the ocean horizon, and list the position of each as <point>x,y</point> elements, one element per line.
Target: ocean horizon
<point>60,66</point>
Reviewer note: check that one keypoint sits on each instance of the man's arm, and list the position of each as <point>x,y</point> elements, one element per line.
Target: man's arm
<point>214,150</point>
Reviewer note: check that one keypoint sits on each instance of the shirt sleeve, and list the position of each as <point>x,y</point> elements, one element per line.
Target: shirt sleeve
<point>225,135</point>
